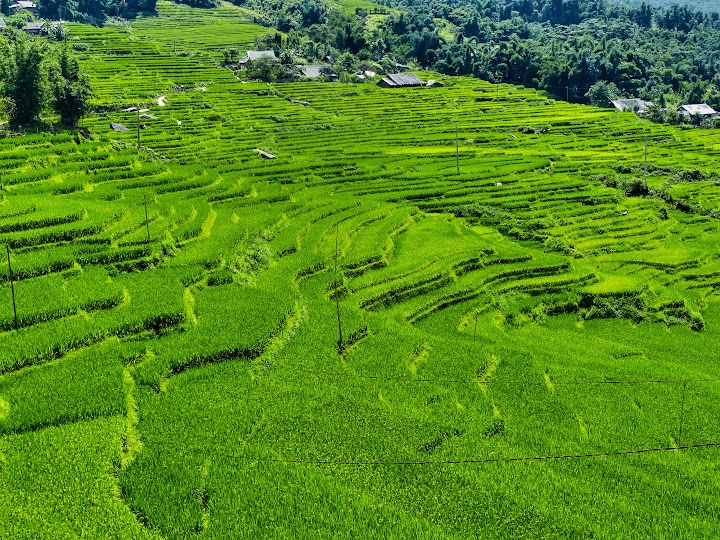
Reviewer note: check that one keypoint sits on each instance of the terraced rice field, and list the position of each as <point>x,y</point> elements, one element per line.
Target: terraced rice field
<point>517,331</point>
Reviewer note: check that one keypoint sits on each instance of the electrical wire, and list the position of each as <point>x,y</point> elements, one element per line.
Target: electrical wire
<point>470,461</point>
<point>551,382</point>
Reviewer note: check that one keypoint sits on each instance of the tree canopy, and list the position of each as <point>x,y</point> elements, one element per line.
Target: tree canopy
<point>564,46</point>
<point>35,75</point>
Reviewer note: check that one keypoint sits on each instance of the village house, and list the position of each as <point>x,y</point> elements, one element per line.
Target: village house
<point>35,27</point>
<point>38,28</point>
<point>400,80</point>
<point>24,5</point>
<point>311,71</point>
<point>251,56</point>
<point>631,105</point>
<point>701,109</point>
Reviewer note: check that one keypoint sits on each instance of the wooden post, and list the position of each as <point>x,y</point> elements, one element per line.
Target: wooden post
<point>457,149</point>
<point>646,148</point>
<point>567,94</point>
<point>12,286</point>
<point>138,127</point>
<point>147,221</point>
<point>682,414</point>
<point>337,292</point>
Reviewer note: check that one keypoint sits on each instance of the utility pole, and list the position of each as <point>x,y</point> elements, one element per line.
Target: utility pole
<point>12,286</point>
<point>567,94</point>
<point>457,149</point>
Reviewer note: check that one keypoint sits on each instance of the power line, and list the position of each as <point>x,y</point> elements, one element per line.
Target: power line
<point>341,375</point>
<point>470,461</point>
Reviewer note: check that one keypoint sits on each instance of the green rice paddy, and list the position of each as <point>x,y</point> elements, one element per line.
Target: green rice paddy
<point>517,330</point>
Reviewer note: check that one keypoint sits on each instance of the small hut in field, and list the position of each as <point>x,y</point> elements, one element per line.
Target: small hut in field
<point>400,80</point>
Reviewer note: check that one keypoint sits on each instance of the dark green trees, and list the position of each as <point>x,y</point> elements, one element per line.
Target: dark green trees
<point>24,87</point>
<point>602,93</point>
<point>71,90</point>
<point>269,69</point>
<point>31,79</point>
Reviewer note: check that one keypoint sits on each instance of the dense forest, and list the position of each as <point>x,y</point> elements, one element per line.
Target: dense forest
<point>700,5</point>
<point>92,11</point>
<point>565,46</point>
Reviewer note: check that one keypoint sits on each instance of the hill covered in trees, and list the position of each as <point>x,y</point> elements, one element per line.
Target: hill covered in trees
<point>565,46</point>
<point>708,6</point>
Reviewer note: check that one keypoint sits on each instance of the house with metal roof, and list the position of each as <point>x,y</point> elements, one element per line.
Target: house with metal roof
<point>400,80</point>
<point>24,4</point>
<point>35,27</point>
<point>702,109</point>
<point>311,71</point>
<point>251,56</point>
<point>631,105</point>
<point>118,127</point>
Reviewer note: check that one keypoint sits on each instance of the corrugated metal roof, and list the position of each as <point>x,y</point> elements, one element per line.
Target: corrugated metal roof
<point>405,79</point>
<point>630,104</point>
<point>311,70</point>
<point>699,108</point>
<point>118,127</point>
<point>35,26</point>
<point>264,154</point>
<point>254,55</point>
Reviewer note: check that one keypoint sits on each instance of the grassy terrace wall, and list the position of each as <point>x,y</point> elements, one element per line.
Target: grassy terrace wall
<point>193,385</point>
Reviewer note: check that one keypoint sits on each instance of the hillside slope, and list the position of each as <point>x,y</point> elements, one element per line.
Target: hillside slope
<point>529,320</point>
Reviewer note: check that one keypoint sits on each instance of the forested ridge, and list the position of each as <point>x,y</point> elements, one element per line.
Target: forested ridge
<point>565,46</point>
<point>702,5</point>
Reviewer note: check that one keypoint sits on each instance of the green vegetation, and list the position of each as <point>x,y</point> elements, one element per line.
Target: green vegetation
<point>664,54</point>
<point>31,75</point>
<point>176,372</point>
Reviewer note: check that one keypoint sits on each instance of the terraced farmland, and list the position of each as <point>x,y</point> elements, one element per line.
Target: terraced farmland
<point>529,328</point>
